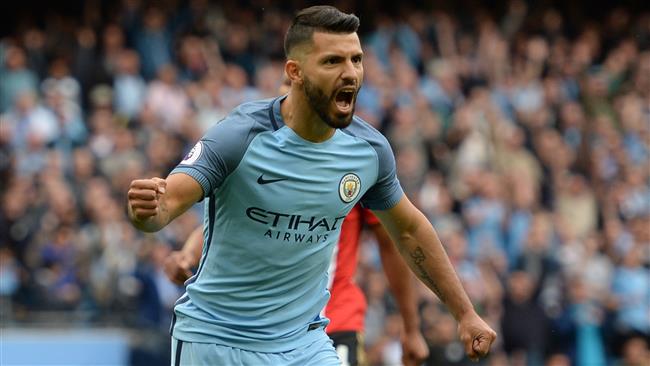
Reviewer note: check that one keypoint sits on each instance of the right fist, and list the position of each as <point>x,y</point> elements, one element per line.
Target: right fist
<point>144,197</point>
<point>178,267</point>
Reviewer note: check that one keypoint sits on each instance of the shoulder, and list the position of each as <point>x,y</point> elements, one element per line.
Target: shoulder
<point>364,131</point>
<point>223,146</point>
<point>257,110</point>
<point>243,122</point>
<point>386,191</point>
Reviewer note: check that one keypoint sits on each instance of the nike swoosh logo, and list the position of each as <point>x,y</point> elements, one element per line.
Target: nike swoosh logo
<point>261,180</point>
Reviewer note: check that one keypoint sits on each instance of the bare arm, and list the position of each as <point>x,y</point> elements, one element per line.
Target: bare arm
<point>179,264</point>
<point>419,245</point>
<point>421,249</point>
<point>193,247</point>
<point>400,280</point>
<point>153,203</point>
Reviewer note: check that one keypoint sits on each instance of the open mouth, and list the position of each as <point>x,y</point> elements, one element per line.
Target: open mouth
<point>343,99</point>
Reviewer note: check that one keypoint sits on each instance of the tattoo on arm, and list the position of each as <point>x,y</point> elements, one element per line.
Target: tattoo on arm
<point>418,257</point>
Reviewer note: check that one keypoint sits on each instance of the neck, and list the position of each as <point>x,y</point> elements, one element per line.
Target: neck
<point>298,115</point>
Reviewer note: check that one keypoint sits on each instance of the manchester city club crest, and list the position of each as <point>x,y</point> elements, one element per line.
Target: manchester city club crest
<point>349,187</point>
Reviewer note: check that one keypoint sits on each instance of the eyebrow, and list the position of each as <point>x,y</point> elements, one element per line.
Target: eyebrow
<point>338,56</point>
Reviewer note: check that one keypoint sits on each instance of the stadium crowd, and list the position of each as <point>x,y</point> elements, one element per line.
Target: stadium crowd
<point>523,133</point>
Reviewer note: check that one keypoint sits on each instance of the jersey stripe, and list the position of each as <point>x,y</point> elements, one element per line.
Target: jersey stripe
<point>272,116</point>
<point>211,218</point>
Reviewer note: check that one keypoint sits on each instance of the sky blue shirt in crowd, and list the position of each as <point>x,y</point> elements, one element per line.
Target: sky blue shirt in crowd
<point>274,207</point>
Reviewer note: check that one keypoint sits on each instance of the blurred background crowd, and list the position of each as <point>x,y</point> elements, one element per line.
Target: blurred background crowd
<point>520,128</point>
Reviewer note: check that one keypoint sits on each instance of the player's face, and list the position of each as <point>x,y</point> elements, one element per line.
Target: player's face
<point>333,73</point>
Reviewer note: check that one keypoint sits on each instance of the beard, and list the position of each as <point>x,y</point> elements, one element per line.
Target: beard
<point>321,103</point>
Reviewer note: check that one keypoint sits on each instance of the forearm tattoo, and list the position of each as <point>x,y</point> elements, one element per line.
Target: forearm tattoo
<point>418,258</point>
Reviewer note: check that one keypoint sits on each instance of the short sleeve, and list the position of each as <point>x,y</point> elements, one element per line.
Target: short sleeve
<point>386,192</point>
<point>218,153</point>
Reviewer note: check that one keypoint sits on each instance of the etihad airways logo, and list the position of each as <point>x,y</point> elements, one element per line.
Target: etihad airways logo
<point>294,228</point>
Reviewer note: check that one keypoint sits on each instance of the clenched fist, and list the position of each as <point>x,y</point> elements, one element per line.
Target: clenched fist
<point>414,349</point>
<point>476,335</point>
<point>145,199</point>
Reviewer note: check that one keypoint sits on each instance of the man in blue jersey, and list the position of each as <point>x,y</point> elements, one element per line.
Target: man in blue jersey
<point>278,177</point>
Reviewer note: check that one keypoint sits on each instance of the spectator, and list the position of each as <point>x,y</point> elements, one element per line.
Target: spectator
<point>631,296</point>
<point>485,215</point>
<point>536,259</point>
<point>57,276</point>
<point>524,324</point>
<point>15,77</point>
<point>635,352</point>
<point>10,278</point>
<point>236,89</point>
<point>128,86</point>
<point>167,100</point>
<point>153,42</point>
<point>517,225</point>
<point>236,50</point>
<point>32,127</point>
<point>193,61</point>
<point>579,327</point>
<point>576,205</point>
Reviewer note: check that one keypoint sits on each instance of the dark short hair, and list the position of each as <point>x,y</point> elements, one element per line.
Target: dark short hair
<point>321,18</point>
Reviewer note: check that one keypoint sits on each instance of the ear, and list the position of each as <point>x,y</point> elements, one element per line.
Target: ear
<point>293,71</point>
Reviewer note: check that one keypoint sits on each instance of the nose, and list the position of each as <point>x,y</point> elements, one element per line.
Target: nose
<point>349,73</point>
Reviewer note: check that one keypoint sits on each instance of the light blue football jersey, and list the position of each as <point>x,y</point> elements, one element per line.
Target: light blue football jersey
<point>274,207</point>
